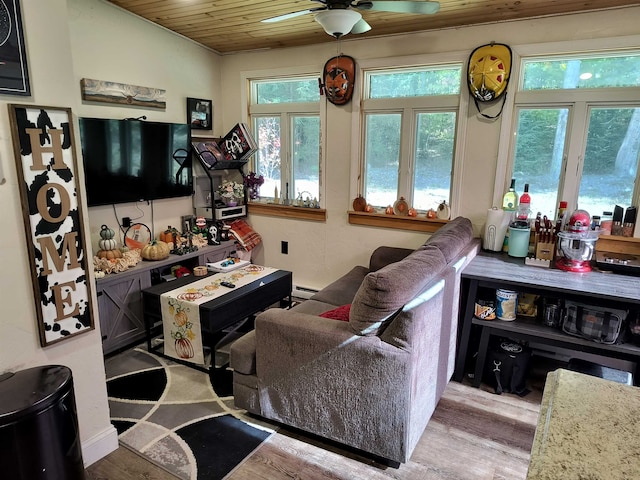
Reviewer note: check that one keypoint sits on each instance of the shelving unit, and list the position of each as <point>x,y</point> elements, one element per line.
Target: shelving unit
<point>496,271</point>
<point>120,294</point>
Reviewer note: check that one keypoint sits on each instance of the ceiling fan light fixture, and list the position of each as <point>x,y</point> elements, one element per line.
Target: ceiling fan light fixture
<point>338,22</point>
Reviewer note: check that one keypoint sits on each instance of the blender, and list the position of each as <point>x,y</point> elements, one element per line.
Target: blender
<point>576,244</point>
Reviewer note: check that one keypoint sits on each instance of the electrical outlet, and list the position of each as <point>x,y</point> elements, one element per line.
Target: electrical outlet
<point>126,222</point>
<point>284,247</point>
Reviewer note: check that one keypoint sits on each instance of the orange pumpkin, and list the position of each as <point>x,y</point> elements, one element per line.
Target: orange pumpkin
<point>359,204</point>
<point>389,210</point>
<point>109,254</point>
<point>181,318</point>
<point>167,235</point>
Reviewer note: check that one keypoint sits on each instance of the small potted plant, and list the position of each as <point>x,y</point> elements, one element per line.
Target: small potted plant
<point>253,182</point>
<point>231,193</point>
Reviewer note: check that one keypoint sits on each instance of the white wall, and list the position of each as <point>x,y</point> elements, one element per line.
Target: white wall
<point>67,41</point>
<point>110,44</point>
<point>319,251</point>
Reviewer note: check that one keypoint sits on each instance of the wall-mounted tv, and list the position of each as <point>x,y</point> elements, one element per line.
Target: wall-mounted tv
<point>133,160</point>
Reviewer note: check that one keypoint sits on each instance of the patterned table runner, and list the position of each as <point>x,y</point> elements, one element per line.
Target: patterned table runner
<point>181,310</point>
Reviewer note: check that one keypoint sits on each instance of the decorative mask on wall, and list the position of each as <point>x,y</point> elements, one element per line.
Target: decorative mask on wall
<point>339,75</point>
<point>488,74</point>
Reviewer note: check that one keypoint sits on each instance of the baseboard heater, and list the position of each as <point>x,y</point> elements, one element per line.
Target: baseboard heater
<point>303,292</point>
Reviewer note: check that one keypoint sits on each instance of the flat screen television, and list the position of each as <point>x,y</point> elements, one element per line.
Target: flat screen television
<point>133,160</point>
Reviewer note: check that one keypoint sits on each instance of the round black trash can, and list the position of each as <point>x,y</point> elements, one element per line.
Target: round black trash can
<point>39,438</point>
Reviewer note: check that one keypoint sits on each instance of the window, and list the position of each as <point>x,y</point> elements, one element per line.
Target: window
<point>285,114</point>
<point>410,117</point>
<point>577,130</point>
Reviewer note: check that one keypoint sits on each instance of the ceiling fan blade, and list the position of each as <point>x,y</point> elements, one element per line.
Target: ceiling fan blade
<point>287,16</point>
<point>401,6</point>
<point>361,26</point>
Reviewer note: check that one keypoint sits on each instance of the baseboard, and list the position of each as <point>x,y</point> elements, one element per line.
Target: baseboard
<point>99,445</point>
<point>303,292</point>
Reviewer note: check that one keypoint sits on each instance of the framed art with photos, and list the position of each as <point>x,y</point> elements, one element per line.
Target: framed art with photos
<point>44,147</point>
<point>14,76</point>
<point>199,113</point>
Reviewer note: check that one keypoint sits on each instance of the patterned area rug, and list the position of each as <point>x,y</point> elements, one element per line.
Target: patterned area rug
<point>178,417</point>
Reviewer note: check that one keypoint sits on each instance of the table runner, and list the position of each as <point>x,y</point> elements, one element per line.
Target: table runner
<point>181,310</point>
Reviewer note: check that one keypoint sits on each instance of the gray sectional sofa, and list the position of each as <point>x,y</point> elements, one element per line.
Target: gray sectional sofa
<point>371,382</point>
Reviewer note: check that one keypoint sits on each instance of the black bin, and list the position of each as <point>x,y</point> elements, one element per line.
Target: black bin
<point>39,438</point>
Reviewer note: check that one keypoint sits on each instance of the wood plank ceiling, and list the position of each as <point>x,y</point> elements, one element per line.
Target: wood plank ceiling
<point>228,26</point>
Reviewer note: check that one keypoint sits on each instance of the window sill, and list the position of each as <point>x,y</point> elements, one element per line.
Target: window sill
<point>382,220</point>
<point>287,211</point>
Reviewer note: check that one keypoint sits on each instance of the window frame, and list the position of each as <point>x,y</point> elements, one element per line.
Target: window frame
<point>285,111</point>
<point>578,101</point>
<point>400,104</point>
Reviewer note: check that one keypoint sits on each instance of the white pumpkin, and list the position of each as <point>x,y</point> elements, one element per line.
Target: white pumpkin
<point>107,244</point>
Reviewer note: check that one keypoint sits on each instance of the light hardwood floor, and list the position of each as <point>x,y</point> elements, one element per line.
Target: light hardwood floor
<point>473,435</point>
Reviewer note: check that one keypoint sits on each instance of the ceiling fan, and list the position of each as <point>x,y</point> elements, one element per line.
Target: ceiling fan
<point>339,17</point>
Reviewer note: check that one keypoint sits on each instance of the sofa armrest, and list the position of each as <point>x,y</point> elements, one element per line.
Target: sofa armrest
<point>287,340</point>
<point>383,256</point>
<point>317,375</point>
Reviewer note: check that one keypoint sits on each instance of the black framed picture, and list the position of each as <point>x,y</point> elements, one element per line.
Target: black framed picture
<point>14,76</point>
<point>199,113</point>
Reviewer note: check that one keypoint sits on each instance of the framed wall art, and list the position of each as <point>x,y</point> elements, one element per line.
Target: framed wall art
<point>199,113</point>
<point>122,93</point>
<point>43,143</point>
<point>14,76</point>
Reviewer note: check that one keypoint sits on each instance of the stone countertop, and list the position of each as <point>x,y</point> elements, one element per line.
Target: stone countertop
<point>588,429</point>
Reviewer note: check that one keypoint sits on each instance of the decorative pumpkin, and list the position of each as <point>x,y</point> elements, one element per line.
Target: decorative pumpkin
<point>184,349</point>
<point>431,213</point>
<point>112,254</point>
<point>389,210</point>
<point>369,208</point>
<point>106,233</point>
<point>167,235</point>
<point>359,204</point>
<point>181,318</point>
<point>107,244</point>
<point>156,250</point>
<point>413,212</point>
<point>124,249</point>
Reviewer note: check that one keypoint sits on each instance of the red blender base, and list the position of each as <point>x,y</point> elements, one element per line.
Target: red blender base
<point>573,265</point>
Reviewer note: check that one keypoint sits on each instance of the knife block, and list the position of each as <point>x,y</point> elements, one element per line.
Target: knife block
<point>545,250</point>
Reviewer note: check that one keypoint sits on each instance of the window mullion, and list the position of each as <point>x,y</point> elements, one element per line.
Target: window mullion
<point>405,162</point>
<point>576,145</point>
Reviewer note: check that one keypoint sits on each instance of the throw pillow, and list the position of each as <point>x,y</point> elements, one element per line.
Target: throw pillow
<point>340,313</point>
<point>385,291</point>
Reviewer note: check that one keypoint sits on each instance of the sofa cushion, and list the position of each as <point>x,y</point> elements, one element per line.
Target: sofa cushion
<point>383,256</point>
<point>452,237</point>
<point>385,291</point>
<point>341,313</point>
<point>342,290</point>
<point>242,356</point>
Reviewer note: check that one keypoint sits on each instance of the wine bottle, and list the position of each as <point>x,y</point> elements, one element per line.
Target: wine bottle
<point>510,199</point>
<point>524,205</point>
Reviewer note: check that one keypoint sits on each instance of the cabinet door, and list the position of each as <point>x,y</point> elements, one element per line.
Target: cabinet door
<point>120,308</point>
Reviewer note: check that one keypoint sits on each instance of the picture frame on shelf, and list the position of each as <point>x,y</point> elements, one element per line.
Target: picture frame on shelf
<point>199,113</point>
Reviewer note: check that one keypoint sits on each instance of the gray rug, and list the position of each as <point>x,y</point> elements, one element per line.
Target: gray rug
<point>175,417</point>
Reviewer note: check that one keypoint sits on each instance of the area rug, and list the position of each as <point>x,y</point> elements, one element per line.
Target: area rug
<point>177,417</point>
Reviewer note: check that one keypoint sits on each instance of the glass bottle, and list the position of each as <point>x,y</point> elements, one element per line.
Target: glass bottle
<point>510,199</point>
<point>524,205</point>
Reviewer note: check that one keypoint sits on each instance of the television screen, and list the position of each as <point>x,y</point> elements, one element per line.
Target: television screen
<point>133,160</point>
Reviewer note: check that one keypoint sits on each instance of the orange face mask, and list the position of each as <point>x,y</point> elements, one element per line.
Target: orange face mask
<point>339,75</point>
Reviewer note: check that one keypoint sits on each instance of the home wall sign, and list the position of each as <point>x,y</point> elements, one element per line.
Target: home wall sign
<point>112,92</point>
<point>43,143</point>
<point>14,77</point>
